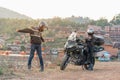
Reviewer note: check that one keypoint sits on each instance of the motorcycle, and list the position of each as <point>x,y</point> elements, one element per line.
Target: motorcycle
<point>75,53</point>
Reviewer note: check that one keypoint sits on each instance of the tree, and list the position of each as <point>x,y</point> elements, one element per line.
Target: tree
<point>116,20</point>
<point>102,22</point>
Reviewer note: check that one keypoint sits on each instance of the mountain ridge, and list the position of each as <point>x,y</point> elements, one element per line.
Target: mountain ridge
<point>7,13</point>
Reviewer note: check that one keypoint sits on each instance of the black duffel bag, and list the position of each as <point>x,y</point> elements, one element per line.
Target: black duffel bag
<point>99,40</point>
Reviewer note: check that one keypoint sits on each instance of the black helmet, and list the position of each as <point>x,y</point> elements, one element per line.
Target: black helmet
<point>90,31</point>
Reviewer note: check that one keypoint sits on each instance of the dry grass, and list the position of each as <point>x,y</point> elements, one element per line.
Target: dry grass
<point>102,71</point>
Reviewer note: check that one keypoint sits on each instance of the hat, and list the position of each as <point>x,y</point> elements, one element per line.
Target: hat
<point>42,23</point>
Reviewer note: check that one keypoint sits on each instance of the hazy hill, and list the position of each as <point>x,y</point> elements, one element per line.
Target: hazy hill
<point>6,13</point>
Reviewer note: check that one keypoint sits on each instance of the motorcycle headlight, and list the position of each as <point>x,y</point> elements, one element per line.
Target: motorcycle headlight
<point>70,46</point>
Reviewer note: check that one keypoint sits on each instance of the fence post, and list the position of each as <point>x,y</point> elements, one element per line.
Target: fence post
<point>118,54</point>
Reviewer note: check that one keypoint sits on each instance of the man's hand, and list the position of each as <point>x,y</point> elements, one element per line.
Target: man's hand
<point>17,30</point>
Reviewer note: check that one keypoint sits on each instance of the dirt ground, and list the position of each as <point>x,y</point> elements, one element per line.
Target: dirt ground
<point>102,71</point>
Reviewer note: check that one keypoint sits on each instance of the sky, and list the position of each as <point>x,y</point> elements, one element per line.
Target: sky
<point>94,9</point>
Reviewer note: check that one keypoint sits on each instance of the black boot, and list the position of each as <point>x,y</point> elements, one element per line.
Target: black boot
<point>29,67</point>
<point>90,68</point>
<point>42,69</point>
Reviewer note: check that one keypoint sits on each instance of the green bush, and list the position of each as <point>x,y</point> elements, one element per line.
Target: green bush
<point>1,71</point>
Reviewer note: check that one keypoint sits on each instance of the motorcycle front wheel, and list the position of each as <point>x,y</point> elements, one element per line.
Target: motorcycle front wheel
<point>64,62</point>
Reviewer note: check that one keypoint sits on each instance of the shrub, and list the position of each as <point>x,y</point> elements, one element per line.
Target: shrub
<point>1,71</point>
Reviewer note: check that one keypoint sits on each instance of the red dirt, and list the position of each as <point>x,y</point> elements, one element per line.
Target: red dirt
<point>102,71</point>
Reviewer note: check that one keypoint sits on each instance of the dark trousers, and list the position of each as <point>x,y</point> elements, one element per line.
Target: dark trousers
<point>90,54</point>
<point>36,47</point>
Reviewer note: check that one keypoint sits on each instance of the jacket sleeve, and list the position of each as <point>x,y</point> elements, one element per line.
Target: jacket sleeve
<point>26,30</point>
<point>42,39</point>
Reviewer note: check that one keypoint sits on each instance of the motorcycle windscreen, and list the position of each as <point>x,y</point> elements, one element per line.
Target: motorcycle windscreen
<point>70,44</point>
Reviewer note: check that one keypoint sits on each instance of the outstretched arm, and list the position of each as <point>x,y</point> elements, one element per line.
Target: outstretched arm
<point>26,30</point>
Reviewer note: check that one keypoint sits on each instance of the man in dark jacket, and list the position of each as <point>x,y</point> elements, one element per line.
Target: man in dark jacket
<point>36,40</point>
<point>90,45</point>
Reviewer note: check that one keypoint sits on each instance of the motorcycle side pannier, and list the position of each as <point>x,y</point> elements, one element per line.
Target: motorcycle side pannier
<point>99,40</point>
